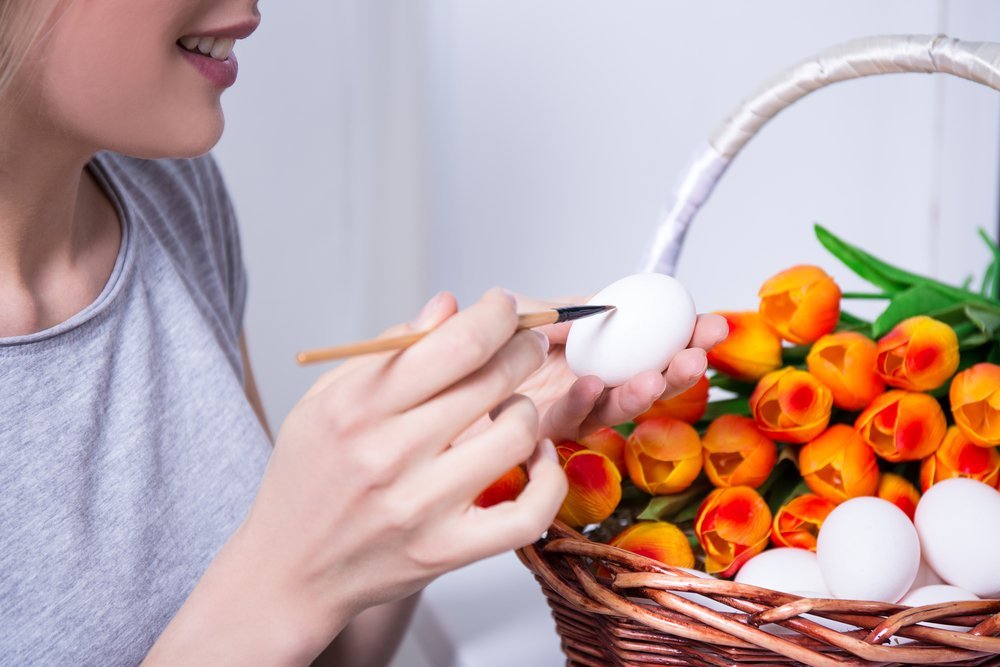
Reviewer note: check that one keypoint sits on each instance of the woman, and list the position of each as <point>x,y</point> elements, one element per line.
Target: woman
<point>144,513</point>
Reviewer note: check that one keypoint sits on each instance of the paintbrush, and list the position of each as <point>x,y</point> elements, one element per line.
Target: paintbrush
<point>524,321</point>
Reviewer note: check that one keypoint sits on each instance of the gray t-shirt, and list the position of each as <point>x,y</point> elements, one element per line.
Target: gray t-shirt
<point>129,450</point>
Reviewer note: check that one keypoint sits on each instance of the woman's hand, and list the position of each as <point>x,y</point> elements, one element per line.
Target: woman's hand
<point>365,500</point>
<point>572,407</point>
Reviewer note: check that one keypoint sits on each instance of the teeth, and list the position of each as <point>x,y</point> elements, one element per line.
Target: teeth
<point>217,47</point>
<point>223,47</point>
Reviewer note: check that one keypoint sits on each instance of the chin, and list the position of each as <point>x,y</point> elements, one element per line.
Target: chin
<point>194,136</point>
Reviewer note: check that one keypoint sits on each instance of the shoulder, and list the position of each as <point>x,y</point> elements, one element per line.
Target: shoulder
<point>183,205</point>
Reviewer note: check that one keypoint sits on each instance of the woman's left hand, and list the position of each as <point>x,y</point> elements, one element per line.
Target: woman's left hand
<point>572,407</point>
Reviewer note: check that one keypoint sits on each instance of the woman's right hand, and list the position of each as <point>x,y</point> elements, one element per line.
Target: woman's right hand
<point>365,500</point>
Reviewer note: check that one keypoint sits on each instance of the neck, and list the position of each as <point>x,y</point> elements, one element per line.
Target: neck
<point>55,231</point>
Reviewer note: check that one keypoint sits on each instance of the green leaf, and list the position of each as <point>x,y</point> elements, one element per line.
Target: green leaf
<point>786,488</point>
<point>991,282</point>
<point>625,429</point>
<point>875,271</point>
<point>890,278</point>
<point>987,320</point>
<point>727,383</point>
<point>730,406</point>
<point>994,356</point>
<point>667,508</point>
<point>917,300</point>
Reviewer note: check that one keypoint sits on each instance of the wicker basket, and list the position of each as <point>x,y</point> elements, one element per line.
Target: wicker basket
<point>635,616</point>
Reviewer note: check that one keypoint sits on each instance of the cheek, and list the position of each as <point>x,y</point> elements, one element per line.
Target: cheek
<point>125,87</point>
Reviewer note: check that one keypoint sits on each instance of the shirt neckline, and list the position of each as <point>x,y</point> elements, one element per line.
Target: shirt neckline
<point>123,262</point>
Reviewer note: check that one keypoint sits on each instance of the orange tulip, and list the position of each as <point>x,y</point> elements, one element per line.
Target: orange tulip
<point>688,406</point>
<point>902,425</point>
<point>568,448</point>
<point>508,487</point>
<point>898,491</point>
<point>595,487</point>
<point>798,522</point>
<point>658,540</point>
<point>839,465</point>
<point>919,354</point>
<point>733,525</point>
<point>958,456</point>
<point>609,442</point>
<point>845,362</point>
<point>791,405</point>
<point>975,403</point>
<point>801,303</point>
<point>663,456</point>
<point>751,349</point>
<point>737,453</point>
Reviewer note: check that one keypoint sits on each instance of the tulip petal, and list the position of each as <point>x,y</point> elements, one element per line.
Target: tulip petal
<point>594,489</point>
<point>658,540</point>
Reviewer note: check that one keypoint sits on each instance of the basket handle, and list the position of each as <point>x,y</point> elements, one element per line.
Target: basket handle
<point>888,54</point>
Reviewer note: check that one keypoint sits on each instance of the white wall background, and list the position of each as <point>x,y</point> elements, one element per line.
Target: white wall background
<point>380,150</point>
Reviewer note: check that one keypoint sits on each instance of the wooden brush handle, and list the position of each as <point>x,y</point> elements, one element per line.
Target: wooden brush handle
<point>525,321</point>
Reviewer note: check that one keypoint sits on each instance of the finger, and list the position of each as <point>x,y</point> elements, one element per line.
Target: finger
<point>460,347</point>
<point>630,399</point>
<point>709,330</point>
<point>438,309</point>
<point>445,416</point>
<point>564,419</point>
<point>684,370</point>
<point>480,461</point>
<point>512,525</point>
<point>556,333</point>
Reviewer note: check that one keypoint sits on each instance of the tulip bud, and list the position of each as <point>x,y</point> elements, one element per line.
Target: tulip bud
<point>958,456</point>
<point>801,303</point>
<point>566,449</point>
<point>609,442</point>
<point>658,540</point>
<point>663,456</point>
<point>737,453</point>
<point>919,354</point>
<point>839,465</point>
<point>845,362</point>
<point>733,525</point>
<point>595,487</point>
<point>975,403</point>
<point>790,405</point>
<point>902,425</point>
<point>898,491</point>
<point>798,522</point>
<point>751,349</point>
<point>508,487</point>
<point>688,406</point>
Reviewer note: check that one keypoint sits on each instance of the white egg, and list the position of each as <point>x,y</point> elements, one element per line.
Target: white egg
<point>653,320</point>
<point>958,521</point>
<point>926,576</point>
<point>785,570</point>
<point>934,594</point>
<point>868,550</point>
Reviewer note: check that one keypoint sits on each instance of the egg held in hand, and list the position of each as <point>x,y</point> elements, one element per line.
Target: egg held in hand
<point>653,320</point>
<point>868,550</point>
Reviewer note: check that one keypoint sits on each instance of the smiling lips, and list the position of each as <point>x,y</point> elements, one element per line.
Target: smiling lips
<point>213,57</point>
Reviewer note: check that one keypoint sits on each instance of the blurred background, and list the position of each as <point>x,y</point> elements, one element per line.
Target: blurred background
<point>381,150</point>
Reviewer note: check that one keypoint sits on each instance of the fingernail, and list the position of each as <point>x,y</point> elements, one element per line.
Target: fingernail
<point>544,340</point>
<point>424,316</point>
<point>509,295</point>
<point>703,366</point>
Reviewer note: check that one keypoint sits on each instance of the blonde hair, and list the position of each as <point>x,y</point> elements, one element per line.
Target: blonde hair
<point>21,24</point>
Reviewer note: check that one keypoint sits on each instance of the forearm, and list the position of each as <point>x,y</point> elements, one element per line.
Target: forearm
<point>372,638</point>
<point>239,613</point>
